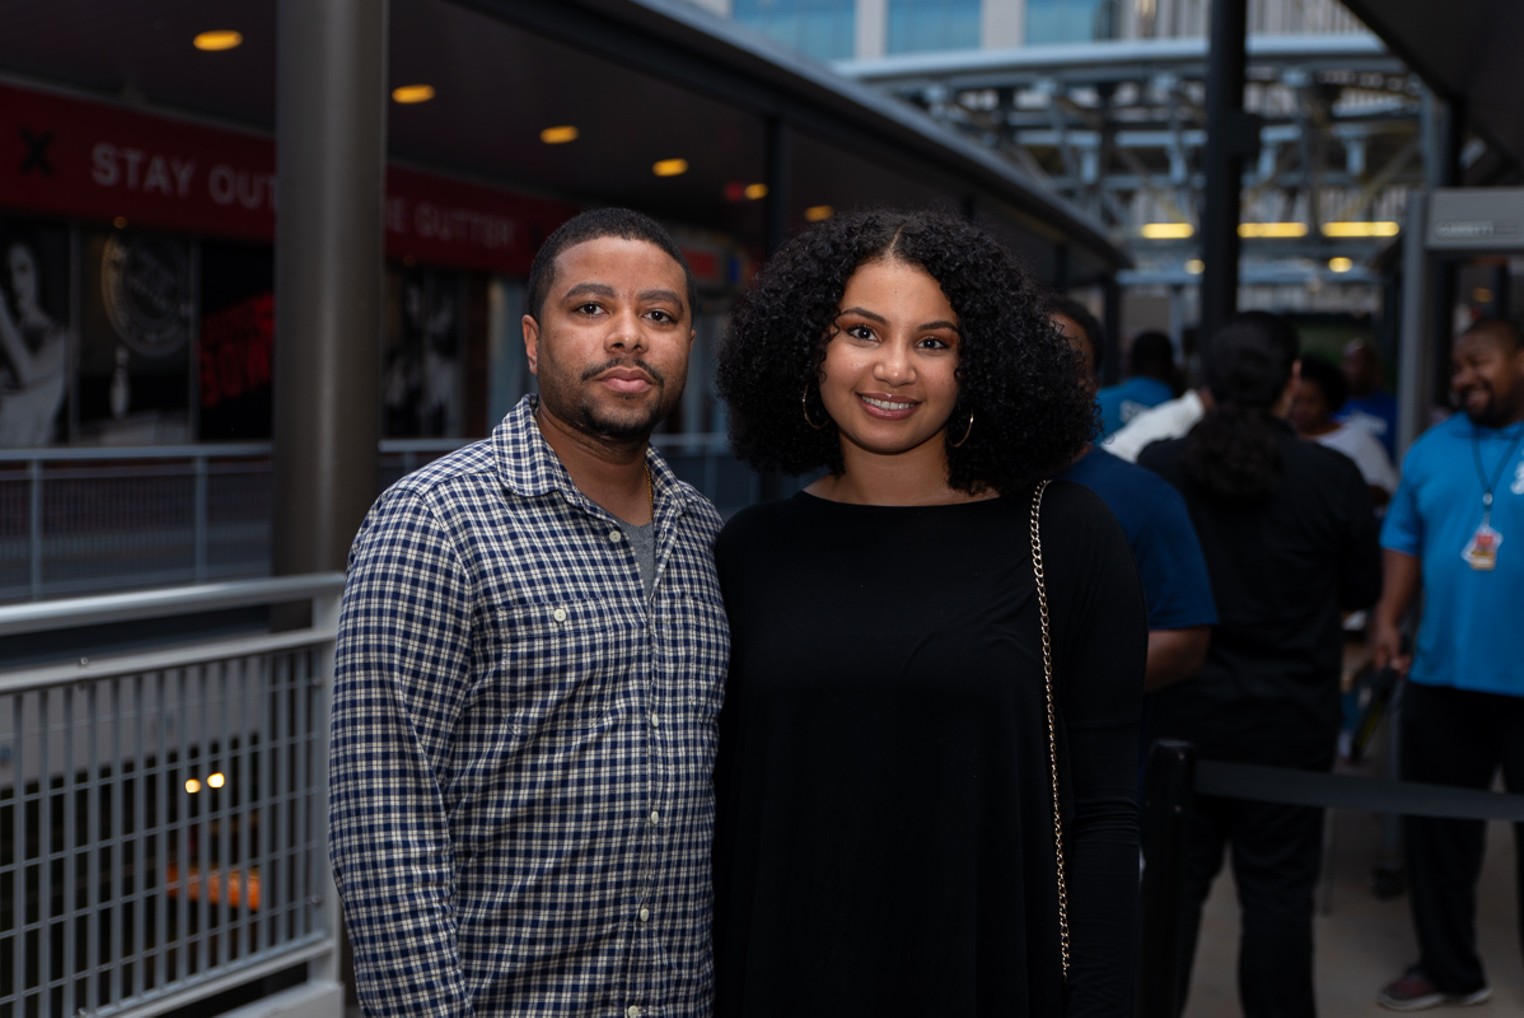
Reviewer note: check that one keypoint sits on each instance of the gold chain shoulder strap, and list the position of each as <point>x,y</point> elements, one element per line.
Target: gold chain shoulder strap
<point>1047,679</point>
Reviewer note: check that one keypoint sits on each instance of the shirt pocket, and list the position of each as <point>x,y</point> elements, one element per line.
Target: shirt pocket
<point>563,666</point>
<point>700,653</point>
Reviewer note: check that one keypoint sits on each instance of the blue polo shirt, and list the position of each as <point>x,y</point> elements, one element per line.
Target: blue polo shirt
<point>1468,636</point>
<point>1158,528</point>
<point>1122,402</point>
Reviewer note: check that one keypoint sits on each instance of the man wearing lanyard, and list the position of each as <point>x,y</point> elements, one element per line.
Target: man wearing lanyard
<point>1455,530</point>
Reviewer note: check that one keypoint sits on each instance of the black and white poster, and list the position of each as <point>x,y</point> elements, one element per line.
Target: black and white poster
<point>134,381</point>
<point>36,336</point>
<point>421,383</point>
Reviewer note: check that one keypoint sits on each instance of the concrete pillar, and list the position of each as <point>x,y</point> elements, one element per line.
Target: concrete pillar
<point>330,133</point>
<point>872,29</point>
<point>1002,24</point>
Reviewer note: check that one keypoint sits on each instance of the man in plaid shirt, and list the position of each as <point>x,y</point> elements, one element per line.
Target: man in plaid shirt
<point>530,663</point>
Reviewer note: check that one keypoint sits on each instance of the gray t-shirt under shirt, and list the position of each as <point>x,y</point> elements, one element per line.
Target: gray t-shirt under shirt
<point>642,540</point>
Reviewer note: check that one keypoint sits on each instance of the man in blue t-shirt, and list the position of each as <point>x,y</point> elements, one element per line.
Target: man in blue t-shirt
<point>1158,527</point>
<point>1150,381</point>
<point>1366,403</point>
<point>1455,532</point>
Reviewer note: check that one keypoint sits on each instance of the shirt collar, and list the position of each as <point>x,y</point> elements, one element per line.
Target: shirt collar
<point>530,467</point>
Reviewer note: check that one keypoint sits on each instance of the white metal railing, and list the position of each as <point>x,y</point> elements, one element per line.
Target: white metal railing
<point>78,521</point>
<point>163,814</point>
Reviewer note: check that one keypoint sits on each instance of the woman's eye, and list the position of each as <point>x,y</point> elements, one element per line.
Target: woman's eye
<point>859,332</point>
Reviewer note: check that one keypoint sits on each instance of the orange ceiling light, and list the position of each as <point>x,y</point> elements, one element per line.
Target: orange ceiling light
<point>217,40</point>
<point>411,95</point>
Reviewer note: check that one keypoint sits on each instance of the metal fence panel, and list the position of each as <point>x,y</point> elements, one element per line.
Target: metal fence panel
<point>162,818</point>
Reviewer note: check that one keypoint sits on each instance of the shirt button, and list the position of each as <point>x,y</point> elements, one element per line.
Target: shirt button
<point>656,816</point>
<point>633,1011</point>
<point>615,536</point>
<point>559,614</point>
<point>655,721</point>
<point>645,915</point>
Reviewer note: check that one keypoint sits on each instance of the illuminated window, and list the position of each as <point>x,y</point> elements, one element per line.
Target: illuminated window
<point>823,29</point>
<point>1071,20</point>
<point>917,26</point>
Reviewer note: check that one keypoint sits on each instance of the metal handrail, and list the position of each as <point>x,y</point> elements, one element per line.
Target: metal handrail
<point>78,612</point>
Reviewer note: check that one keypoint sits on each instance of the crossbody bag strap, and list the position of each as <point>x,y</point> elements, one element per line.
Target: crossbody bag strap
<point>1047,679</point>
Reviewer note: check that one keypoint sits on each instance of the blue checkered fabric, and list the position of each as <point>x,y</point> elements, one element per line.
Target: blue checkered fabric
<point>520,793</point>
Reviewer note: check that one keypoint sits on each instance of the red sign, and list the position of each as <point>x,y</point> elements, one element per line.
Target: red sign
<point>68,157</point>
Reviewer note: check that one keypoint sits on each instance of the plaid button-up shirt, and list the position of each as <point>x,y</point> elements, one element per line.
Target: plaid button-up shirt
<point>521,806</point>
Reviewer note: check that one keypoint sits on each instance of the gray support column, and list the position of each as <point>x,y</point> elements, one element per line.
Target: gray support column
<point>1226,126</point>
<point>1441,132</point>
<point>1415,384</point>
<point>330,120</point>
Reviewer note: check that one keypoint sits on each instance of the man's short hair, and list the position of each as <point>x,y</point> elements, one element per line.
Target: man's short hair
<point>626,224</point>
<point>1503,328</point>
<point>1152,355</point>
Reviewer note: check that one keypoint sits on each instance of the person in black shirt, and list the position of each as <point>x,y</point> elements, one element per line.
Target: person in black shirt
<point>1290,540</point>
<point>885,837</point>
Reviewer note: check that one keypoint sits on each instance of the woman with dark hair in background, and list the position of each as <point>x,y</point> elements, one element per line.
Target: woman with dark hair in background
<point>1320,394</point>
<point>890,758</point>
<point>1290,541</point>
<point>33,355</point>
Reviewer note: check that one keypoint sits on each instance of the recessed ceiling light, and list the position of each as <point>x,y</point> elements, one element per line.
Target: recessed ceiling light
<point>670,167</point>
<point>217,40</point>
<point>819,213</point>
<point>559,135</point>
<point>408,95</point>
<point>1167,231</point>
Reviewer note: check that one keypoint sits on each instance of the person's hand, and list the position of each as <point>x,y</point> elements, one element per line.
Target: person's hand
<point>1386,647</point>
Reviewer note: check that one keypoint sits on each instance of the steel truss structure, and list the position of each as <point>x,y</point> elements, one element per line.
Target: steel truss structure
<point>1333,137</point>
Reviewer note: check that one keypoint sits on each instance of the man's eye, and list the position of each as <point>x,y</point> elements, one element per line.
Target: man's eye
<point>662,316</point>
<point>588,309</point>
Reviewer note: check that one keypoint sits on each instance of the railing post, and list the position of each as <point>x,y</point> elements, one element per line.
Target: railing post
<point>202,524</point>
<point>1166,812</point>
<point>325,619</point>
<point>34,474</point>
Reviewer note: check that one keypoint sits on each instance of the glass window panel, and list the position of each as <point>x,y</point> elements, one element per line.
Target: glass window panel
<point>1052,21</point>
<point>917,26</point>
<point>823,29</point>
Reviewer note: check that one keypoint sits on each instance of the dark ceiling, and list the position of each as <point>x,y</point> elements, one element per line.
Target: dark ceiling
<point>643,80</point>
<point>1468,52</point>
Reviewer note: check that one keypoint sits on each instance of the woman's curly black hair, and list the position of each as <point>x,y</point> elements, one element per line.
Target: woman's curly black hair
<point>1232,453</point>
<point>1016,374</point>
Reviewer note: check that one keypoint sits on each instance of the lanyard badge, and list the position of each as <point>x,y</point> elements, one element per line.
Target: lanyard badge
<point>1481,552</point>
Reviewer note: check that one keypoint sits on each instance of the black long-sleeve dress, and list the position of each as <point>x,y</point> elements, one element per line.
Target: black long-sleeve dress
<point>885,836</point>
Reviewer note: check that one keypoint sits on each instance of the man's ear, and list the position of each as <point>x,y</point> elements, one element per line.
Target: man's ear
<point>531,329</point>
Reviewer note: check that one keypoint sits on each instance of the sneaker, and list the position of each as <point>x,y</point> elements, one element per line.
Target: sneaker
<point>1415,992</point>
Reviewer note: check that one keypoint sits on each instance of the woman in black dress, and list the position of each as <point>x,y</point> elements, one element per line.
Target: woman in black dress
<point>886,838</point>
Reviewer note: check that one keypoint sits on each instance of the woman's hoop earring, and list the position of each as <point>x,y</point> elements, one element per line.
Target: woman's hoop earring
<point>966,432</point>
<point>804,407</point>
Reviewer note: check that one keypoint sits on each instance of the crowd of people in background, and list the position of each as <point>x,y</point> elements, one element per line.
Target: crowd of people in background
<point>876,747</point>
